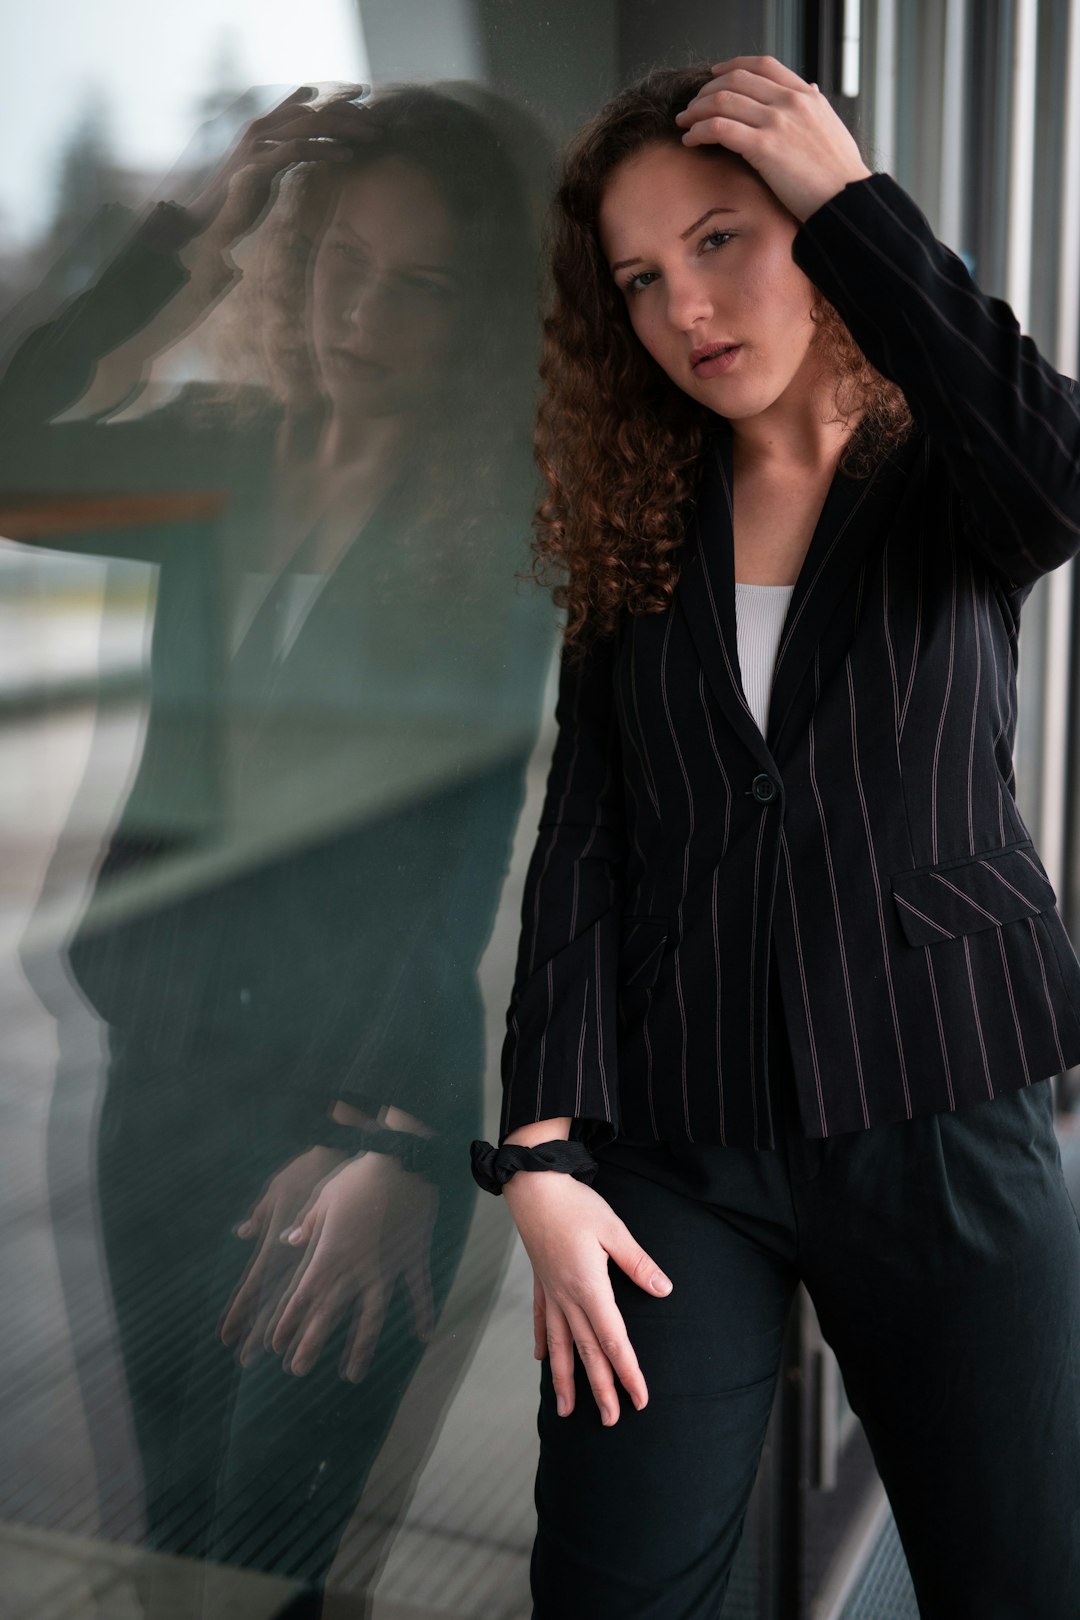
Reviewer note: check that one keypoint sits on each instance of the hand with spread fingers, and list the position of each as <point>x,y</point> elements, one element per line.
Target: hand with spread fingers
<point>288,1195</point>
<point>784,127</point>
<point>367,1224</point>
<point>236,196</point>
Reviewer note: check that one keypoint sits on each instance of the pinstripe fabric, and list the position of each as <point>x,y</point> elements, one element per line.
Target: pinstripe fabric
<point>922,961</point>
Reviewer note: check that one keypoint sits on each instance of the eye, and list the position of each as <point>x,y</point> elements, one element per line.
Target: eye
<point>711,243</point>
<point>633,283</point>
<point>428,286</point>
<point>344,249</point>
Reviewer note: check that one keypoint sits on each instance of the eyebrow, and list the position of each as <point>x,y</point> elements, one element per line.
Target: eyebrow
<point>440,269</point>
<point>689,231</point>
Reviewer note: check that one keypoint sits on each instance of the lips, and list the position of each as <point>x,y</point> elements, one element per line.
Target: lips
<point>359,362</point>
<point>708,351</point>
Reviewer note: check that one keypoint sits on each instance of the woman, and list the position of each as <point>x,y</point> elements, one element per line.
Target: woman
<point>284,933</point>
<point>791,975</point>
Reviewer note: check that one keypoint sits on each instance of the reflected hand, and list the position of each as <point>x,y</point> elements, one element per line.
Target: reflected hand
<point>372,1221</point>
<point>287,1195</point>
<point>236,195</point>
<point>780,124</point>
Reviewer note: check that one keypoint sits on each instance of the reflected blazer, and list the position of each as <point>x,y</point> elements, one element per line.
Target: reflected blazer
<point>871,838</point>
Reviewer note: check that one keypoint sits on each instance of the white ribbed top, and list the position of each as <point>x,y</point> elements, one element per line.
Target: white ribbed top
<point>760,611</point>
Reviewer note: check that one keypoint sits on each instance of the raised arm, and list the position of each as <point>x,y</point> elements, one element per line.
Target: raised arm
<point>173,267</point>
<point>1006,423</point>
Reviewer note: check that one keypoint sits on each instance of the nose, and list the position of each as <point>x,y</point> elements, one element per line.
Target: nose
<point>688,302</point>
<point>359,298</point>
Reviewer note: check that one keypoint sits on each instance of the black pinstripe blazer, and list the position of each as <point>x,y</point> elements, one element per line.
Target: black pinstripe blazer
<point>872,835</point>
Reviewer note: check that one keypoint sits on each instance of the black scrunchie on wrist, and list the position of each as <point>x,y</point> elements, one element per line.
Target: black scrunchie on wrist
<point>419,1153</point>
<point>492,1167</point>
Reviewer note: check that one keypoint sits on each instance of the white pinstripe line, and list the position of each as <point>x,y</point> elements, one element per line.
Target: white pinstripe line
<point>543,1044</point>
<point>1011,886</point>
<point>507,1108</point>
<point>1024,856</point>
<point>598,1000</point>
<point>940,1026</point>
<point>559,812</point>
<point>877,889</point>
<point>753,968</point>
<point>719,762</point>
<point>639,970</point>
<point>889,649</point>
<point>999,707</point>
<point>962,283</point>
<point>734,678</point>
<point>1012,1004</point>
<point>835,895</point>
<point>650,784</point>
<point>997,921</point>
<point>944,711</point>
<point>978,1020</point>
<point>1046,993</point>
<point>985,307</point>
<point>719,1040</point>
<point>837,537</point>
<point>976,465</point>
<point>943,399</point>
<point>685,876</point>
<point>974,711</point>
<point>922,915</point>
<point>822,1116</point>
<point>581,1051</point>
<point>918,613</point>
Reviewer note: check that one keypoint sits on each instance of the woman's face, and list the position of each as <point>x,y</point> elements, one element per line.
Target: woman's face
<point>386,292</point>
<point>710,263</point>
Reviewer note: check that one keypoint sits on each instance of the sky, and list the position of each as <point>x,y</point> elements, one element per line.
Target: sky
<point>151,69</point>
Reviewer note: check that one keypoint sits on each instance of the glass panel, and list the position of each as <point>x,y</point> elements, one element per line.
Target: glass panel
<point>270,687</point>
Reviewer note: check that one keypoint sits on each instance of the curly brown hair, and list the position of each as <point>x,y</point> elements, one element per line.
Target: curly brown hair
<point>615,440</point>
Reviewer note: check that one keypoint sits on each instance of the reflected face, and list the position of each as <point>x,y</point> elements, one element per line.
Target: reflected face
<point>701,252</point>
<point>386,292</point>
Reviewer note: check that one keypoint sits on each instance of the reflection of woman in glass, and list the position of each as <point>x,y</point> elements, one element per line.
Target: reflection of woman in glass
<point>790,966</point>
<point>285,930</point>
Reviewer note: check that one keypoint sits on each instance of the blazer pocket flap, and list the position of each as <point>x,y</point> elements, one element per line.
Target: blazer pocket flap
<point>954,898</point>
<point>641,950</point>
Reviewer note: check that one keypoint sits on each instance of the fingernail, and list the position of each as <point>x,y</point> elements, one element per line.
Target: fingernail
<point>294,1235</point>
<point>609,1416</point>
<point>560,1404</point>
<point>638,1405</point>
<point>660,1284</point>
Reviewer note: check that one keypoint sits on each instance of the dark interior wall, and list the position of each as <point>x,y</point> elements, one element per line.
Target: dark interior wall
<point>562,58</point>
<point>671,32</point>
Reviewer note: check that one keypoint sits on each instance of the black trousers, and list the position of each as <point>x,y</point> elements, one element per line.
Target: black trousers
<point>942,1255</point>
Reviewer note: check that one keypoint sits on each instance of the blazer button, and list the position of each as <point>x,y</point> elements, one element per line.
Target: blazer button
<point>764,788</point>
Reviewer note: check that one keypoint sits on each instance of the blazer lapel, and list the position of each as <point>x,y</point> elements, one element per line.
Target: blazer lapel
<point>854,518</point>
<point>705,591</point>
<point>852,528</point>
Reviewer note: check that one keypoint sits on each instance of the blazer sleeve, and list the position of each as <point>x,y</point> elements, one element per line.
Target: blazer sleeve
<point>559,1054</point>
<point>1006,423</point>
<point>49,368</point>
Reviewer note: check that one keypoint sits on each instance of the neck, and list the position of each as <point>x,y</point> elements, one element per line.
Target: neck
<point>347,445</point>
<point>793,436</point>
